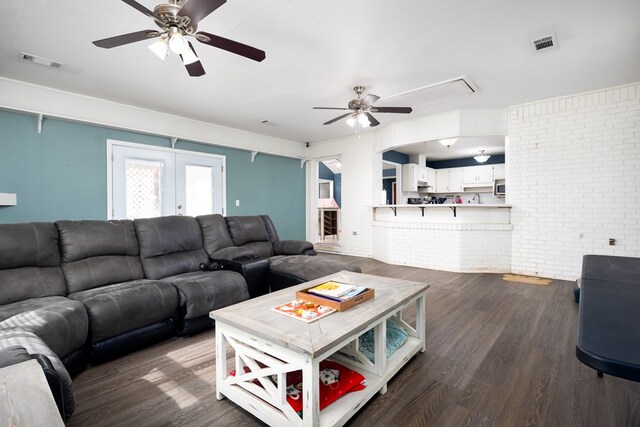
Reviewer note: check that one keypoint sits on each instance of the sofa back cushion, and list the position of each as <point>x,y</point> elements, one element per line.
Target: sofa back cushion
<point>98,253</point>
<point>170,245</point>
<point>271,229</point>
<point>215,235</point>
<point>245,229</point>
<point>29,262</point>
<point>251,232</point>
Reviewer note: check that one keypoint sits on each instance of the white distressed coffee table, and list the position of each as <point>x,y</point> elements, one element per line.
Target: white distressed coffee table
<point>271,344</point>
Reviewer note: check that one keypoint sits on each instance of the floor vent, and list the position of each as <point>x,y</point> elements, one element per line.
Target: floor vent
<point>544,43</point>
<point>42,61</point>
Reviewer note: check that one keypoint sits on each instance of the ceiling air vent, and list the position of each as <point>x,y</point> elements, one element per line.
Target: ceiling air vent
<point>544,43</point>
<point>268,123</point>
<point>42,61</point>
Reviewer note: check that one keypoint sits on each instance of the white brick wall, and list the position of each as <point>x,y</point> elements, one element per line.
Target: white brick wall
<point>573,174</point>
<point>451,247</point>
<point>356,154</point>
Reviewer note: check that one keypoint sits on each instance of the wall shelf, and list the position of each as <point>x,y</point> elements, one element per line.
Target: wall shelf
<point>8,199</point>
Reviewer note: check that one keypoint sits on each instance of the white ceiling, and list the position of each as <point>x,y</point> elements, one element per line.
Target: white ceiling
<point>317,51</point>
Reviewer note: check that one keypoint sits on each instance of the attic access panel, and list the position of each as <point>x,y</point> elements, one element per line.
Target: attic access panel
<point>433,93</point>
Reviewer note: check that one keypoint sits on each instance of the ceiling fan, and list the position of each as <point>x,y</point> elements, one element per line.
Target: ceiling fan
<point>361,109</point>
<point>177,20</point>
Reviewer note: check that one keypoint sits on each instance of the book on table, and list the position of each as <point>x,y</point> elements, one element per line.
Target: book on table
<point>336,291</point>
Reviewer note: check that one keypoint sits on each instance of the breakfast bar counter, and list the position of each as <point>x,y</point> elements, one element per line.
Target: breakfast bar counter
<point>453,237</point>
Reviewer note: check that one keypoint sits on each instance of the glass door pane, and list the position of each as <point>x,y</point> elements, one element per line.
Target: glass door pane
<point>199,185</point>
<point>143,188</point>
<point>199,190</point>
<point>143,183</point>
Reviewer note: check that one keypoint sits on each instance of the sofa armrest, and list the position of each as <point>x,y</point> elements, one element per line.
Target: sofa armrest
<point>53,379</point>
<point>292,247</point>
<point>232,253</point>
<point>255,272</point>
<point>17,354</point>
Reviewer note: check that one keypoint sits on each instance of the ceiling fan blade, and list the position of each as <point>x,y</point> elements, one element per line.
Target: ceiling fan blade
<point>401,110</point>
<point>233,46</point>
<point>134,4</point>
<point>330,108</point>
<point>194,68</point>
<point>337,118</point>
<point>372,120</point>
<point>126,39</point>
<point>369,99</point>
<point>197,10</point>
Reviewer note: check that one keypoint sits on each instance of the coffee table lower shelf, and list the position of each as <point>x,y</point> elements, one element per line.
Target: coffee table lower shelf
<point>268,401</point>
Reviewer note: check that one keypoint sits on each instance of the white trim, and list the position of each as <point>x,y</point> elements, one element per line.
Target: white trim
<point>35,99</point>
<point>112,142</point>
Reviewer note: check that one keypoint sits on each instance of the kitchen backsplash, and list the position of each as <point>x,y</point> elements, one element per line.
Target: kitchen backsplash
<point>485,198</point>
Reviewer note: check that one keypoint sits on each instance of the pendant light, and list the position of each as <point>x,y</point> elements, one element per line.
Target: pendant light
<point>482,157</point>
<point>448,142</point>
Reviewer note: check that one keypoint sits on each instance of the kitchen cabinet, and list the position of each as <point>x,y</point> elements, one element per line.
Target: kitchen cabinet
<point>499,171</point>
<point>477,176</point>
<point>442,180</point>
<point>414,176</point>
<point>449,180</point>
<point>455,180</point>
<point>431,178</point>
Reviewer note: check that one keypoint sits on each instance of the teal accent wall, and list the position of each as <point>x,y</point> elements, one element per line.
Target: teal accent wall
<point>62,174</point>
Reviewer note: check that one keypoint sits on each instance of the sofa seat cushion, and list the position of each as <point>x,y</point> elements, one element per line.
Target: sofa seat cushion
<point>124,307</point>
<point>60,322</point>
<point>204,291</point>
<point>35,345</point>
<point>308,268</point>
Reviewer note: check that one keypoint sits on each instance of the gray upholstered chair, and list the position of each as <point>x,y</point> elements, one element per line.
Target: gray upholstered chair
<point>101,264</point>
<point>171,250</point>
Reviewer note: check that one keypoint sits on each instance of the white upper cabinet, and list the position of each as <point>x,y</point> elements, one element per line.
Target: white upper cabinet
<point>455,180</point>
<point>414,176</point>
<point>477,175</point>
<point>499,171</point>
<point>431,178</point>
<point>410,177</point>
<point>442,180</point>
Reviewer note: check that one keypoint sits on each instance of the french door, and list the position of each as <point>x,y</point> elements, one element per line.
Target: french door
<point>148,182</point>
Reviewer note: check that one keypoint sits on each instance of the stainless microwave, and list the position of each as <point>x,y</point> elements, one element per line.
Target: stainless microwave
<point>500,189</point>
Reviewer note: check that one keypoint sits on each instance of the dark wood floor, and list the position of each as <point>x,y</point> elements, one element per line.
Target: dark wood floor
<point>498,354</point>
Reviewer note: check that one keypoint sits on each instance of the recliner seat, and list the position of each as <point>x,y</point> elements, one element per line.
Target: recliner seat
<point>101,264</point>
<point>171,250</point>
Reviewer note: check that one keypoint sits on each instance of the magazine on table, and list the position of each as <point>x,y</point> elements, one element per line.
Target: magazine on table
<point>304,310</point>
<point>337,291</point>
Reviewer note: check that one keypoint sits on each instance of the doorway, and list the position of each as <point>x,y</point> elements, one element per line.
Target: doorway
<point>147,181</point>
<point>391,175</point>
<point>329,204</point>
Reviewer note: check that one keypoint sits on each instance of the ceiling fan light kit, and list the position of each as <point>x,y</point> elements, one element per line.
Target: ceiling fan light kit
<point>482,157</point>
<point>177,42</point>
<point>360,110</point>
<point>177,21</point>
<point>160,48</point>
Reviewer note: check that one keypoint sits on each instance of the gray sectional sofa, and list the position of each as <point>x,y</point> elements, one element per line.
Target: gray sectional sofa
<point>81,292</point>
